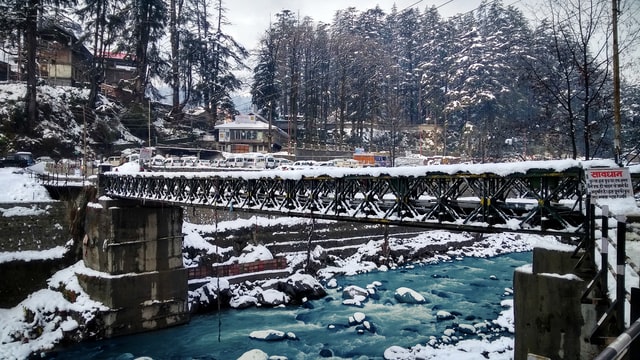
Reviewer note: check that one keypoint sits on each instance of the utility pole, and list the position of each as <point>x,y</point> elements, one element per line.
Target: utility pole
<point>149,125</point>
<point>84,145</point>
<point>617,147</point>
<point>269,135</point>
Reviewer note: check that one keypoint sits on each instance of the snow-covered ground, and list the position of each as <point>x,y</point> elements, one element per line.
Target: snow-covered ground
<point>40,321</point>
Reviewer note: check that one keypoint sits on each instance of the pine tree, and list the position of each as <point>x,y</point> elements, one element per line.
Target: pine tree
<point>145,22</point>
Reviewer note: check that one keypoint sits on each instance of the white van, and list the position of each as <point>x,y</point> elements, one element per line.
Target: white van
<point>250,162</point>
<point>132,157</point>
<point>235,162</point>
<point>270,162</point>
<point>174,162</point>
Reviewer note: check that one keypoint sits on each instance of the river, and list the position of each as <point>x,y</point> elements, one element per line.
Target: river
<point>470,288</point>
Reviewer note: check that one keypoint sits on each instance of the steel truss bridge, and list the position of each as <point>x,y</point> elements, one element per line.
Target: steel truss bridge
<point>537,197</point>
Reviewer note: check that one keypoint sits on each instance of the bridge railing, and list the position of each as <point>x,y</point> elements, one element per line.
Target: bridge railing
<point>620,346</point>
<point>609,287</point>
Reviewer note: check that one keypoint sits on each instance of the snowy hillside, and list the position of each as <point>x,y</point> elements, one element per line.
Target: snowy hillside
<point>60,130</point>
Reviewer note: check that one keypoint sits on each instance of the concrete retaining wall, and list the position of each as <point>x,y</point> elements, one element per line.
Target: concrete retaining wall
<point>33,226</point>
<point>550,320</point>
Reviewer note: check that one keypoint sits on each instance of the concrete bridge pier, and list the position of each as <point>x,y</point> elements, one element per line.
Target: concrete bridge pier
<point>136,252</point>
<point>550,320</point>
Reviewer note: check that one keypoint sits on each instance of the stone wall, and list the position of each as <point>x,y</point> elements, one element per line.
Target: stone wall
<point>33,226</point>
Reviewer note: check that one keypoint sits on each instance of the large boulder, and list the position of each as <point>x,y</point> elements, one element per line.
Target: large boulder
<point>243,302</point>
<point>301,286</point>
<point>357,318</point>
<point>409,296</point>
<point>355,292</point>
<point>272,297</point>
<point>444,315</point>
<point>255,354</point>
<point>205,298</point>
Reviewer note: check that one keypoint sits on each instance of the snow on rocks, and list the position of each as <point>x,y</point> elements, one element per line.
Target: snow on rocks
<point>354,295</point>
<point>254,354</point>
<point>243,301</point>
<point>272,297</point>
<point>409,296</point>
<point>297,288</point>
<point>272,335</point>
<point>332,283</point>
<point>357,318</point>
<point>206,296</point>
<point>18,186</point>
<point>467,329</point>
<point>46,317</point>
<point>444,315</point>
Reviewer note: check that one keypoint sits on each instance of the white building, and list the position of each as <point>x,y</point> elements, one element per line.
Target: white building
<point>250,133</point>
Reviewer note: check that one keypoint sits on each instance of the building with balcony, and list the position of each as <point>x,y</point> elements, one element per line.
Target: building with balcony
<point>250,133</point>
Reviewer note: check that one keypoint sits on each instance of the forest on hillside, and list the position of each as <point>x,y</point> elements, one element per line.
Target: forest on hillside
<point>493,83</point>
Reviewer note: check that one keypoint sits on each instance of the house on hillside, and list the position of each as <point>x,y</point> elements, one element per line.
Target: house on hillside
<point>249,133</point>
<point>62,58</point>
<point>118,67</point>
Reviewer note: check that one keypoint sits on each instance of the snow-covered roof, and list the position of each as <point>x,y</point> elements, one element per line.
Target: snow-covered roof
<point>256,125</point>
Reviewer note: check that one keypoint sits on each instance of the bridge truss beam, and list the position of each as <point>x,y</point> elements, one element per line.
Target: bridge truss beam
<point>538,201</point>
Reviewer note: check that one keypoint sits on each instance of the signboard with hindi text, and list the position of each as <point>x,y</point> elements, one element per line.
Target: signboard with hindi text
<point>609,183</point>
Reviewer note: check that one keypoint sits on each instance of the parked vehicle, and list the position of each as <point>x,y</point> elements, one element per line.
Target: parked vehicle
<point>282,161</point>
<point>371,159</point>
<point>235,162</point>
<point>45,159</point>
<point>304,163</point>
<point>158,161</point>
<point>174,162</point>
<point>270,162</point>
<point>18,159</point>
<point>114,160</point>
<point>190,161</point>
<point>131,157</point>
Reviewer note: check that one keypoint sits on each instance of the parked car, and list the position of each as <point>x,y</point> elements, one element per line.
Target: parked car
<point>114,160</point>
<point>45,159</point>
<point>191,161</point>
<point>158,161</point>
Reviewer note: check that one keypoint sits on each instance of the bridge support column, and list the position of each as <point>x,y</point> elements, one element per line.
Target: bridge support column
<point>550,320</point>
<point>136,252</point>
